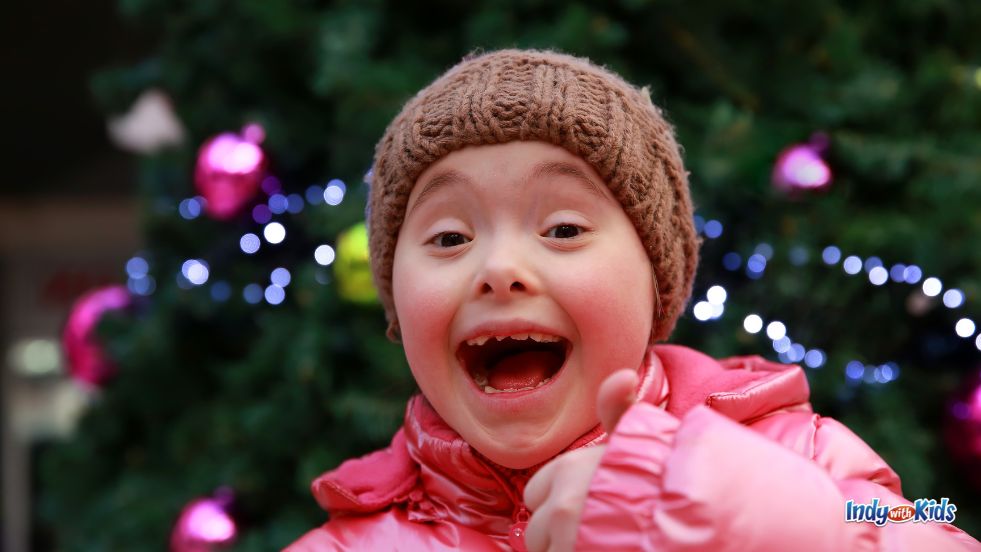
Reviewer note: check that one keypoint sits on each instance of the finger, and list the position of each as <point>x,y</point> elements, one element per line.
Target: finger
<point>537,532</point>
<point>617,393</point>
<point>539,486</point>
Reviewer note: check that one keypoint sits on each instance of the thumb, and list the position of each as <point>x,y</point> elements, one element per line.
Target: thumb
<point>617,393</point>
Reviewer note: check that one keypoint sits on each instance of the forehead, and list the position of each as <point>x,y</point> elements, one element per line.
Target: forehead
<point>509,168</point>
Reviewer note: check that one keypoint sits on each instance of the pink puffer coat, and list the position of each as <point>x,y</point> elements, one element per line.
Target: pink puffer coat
<point>719,455</point>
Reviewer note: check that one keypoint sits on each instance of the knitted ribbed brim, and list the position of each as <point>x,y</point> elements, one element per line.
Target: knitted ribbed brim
<point>511,95</point>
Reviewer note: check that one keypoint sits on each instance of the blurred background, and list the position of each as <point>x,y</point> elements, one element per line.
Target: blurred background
<point>189,331</point>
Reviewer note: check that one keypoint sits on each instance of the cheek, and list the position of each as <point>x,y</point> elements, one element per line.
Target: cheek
<point>612,302</point>
<point>425,311</point>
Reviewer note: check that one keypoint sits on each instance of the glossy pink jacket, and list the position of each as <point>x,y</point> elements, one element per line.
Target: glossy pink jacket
<point>719,455</point>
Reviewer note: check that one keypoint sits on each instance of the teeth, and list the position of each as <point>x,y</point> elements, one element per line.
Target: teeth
<point>541,338</point>
<point>478,340</point>
<point>490,390</point>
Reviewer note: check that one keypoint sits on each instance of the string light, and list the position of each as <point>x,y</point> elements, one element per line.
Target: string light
<point>324,255</point>
<point>274,233</point>
<point>249,243</point>
<point>964,327</point>
<point>953,298</point>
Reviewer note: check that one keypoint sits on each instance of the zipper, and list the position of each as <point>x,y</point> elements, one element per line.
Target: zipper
<point>516,534</point>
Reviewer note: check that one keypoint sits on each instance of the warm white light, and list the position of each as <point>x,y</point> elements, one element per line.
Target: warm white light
<point>965,327</point>
<point>932,286</point>
<point>324,255</point>
<point>716,295</point>
<point>878,275</point>
<point>274,232</point>
<point>776,330</point>
<point>703,310</point>
<point>753,324</point>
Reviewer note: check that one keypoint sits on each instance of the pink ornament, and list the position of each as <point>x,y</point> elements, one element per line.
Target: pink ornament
<point>204,526</point>
<point>962,430</point>
<point>800,167</point>
<point>87,358</point>
<point>229,170</point>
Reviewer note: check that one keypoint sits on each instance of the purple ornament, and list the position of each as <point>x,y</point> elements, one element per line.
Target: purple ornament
<point>229,171</point>
<point>800,167</point>
<point>962,430</point>
<point>204,525</point>
<point>87,359</point>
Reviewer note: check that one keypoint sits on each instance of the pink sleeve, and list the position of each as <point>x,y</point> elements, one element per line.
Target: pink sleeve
<point>708,483</point>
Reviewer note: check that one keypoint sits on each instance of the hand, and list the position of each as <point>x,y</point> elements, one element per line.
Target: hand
<point>557,493</point>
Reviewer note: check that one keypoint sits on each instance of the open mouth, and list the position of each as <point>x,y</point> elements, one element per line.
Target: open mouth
<point>508,364</point>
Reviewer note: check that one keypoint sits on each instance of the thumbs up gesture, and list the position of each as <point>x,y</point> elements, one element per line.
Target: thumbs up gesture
<point>557,493</point>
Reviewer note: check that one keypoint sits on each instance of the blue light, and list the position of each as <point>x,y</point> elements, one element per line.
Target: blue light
<point>831,255</point>
<point>280,277</point>
<point>294,203</point>
<point>953,298</point>
<point>141,286</point>
<point>252,293</point>
<point>278,203</point>
<point>731,261</point>
<point>249,243</point>
<point>782,345</point>
<point>898,272</point>
<point>871,263</point>
<point>334,192</point>
<point>261,214</point>
<point>756,264</point>
<point>889,371</point>
<point>764,249</point>
<point>137,267</point>
<point>274,294</point>
<point>271,185</point>
<point>699,224</point>
<point>189,208</point>
<point>912,274</point>
<point>852,265</point>
<point>221,291</point>
<point>314,195</point>
<point>713,229</point>
<point>854,370</point>
<point>814,358</point>
<point>796,352</point>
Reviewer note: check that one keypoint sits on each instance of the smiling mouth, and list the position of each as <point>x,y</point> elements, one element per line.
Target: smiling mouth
<point>509,364</point>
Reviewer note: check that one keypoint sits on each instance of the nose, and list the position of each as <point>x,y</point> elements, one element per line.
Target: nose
<point>505,273</point>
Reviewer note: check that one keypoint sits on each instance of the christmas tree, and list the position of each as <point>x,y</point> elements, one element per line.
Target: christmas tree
<point>833,155</point>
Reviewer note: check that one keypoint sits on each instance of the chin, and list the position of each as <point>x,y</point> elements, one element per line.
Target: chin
<point>520,452</point>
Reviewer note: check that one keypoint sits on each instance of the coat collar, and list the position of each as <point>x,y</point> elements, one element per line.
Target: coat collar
<point>432,469</point>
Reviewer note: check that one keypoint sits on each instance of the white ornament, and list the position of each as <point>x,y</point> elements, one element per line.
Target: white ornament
<point>149,126</point>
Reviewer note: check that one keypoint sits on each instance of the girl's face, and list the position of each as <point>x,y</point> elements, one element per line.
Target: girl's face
<point>503,241</point>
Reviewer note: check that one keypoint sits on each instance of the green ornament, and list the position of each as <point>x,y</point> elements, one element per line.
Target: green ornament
<point>352,268</point>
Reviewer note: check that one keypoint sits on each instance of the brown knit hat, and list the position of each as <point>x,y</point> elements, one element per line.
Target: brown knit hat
<point>529,95</point>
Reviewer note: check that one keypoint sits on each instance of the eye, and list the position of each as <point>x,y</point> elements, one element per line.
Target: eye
<point>564,231</point>
<point>449,239</point>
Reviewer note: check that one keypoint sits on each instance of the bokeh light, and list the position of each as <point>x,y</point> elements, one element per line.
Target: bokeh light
<point>753,323</point>
<point>274,232</point>
<point>324,255</point>
<point>776,330</point>
<point>249,243</point>
<point>932,286</point>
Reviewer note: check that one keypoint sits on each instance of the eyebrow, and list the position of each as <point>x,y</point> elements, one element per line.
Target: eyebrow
<point>542,170</point>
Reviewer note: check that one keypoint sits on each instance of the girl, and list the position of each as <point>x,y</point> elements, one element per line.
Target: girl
<point>531,239</point>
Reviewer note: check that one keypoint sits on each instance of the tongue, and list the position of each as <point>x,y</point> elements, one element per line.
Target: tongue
<point>524,369</point>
